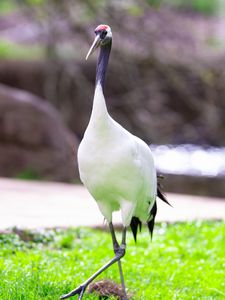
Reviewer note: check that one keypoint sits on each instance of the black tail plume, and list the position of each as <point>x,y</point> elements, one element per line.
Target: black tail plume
<point>135,223</point>
<point>151,222</point>
<point>160,194</point>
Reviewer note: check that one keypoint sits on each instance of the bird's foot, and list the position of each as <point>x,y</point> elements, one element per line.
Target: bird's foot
<point>78,291</point>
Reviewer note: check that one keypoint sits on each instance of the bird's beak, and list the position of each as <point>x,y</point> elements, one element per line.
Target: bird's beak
<point>94,46</point>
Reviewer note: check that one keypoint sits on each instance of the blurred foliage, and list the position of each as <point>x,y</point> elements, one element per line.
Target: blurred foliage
<point>6,6</point>
<point>90,7</point>
<point>48,14</point>
<point>9,50</point>
<point>28,175</point>
<point>201,6</point>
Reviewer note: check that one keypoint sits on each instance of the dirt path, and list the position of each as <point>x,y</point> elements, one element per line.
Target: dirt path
<point>40,204</point>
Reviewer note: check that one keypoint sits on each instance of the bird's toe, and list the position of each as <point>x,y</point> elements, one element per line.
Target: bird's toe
<point>78,291</point>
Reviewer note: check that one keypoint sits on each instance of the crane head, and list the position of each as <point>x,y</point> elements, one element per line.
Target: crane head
<point>103,37</point>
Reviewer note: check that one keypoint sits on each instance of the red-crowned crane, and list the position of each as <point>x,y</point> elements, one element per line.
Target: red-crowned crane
<point>115,166</point>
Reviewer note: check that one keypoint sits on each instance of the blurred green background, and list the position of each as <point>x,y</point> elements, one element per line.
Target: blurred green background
<point>165,83</point>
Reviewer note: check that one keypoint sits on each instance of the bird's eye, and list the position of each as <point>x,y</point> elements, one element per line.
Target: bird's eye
<point>103,34</point>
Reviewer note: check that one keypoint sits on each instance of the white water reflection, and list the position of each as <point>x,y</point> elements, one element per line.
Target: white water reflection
<point>189,159</point>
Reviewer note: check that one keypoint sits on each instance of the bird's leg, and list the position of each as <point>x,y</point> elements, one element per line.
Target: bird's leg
<point>114,240</point>
<point>81,289</point>
<point>120,265</point>
<point>116,248</point>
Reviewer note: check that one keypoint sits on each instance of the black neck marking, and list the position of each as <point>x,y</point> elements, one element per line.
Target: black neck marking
<point>103,63</point>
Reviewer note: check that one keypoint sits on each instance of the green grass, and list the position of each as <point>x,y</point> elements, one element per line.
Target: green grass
<point>184,261</point>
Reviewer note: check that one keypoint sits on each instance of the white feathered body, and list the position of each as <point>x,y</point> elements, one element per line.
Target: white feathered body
<point>116,167</point>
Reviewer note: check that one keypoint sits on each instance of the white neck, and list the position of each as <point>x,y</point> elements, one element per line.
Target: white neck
<point>99,109</point>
